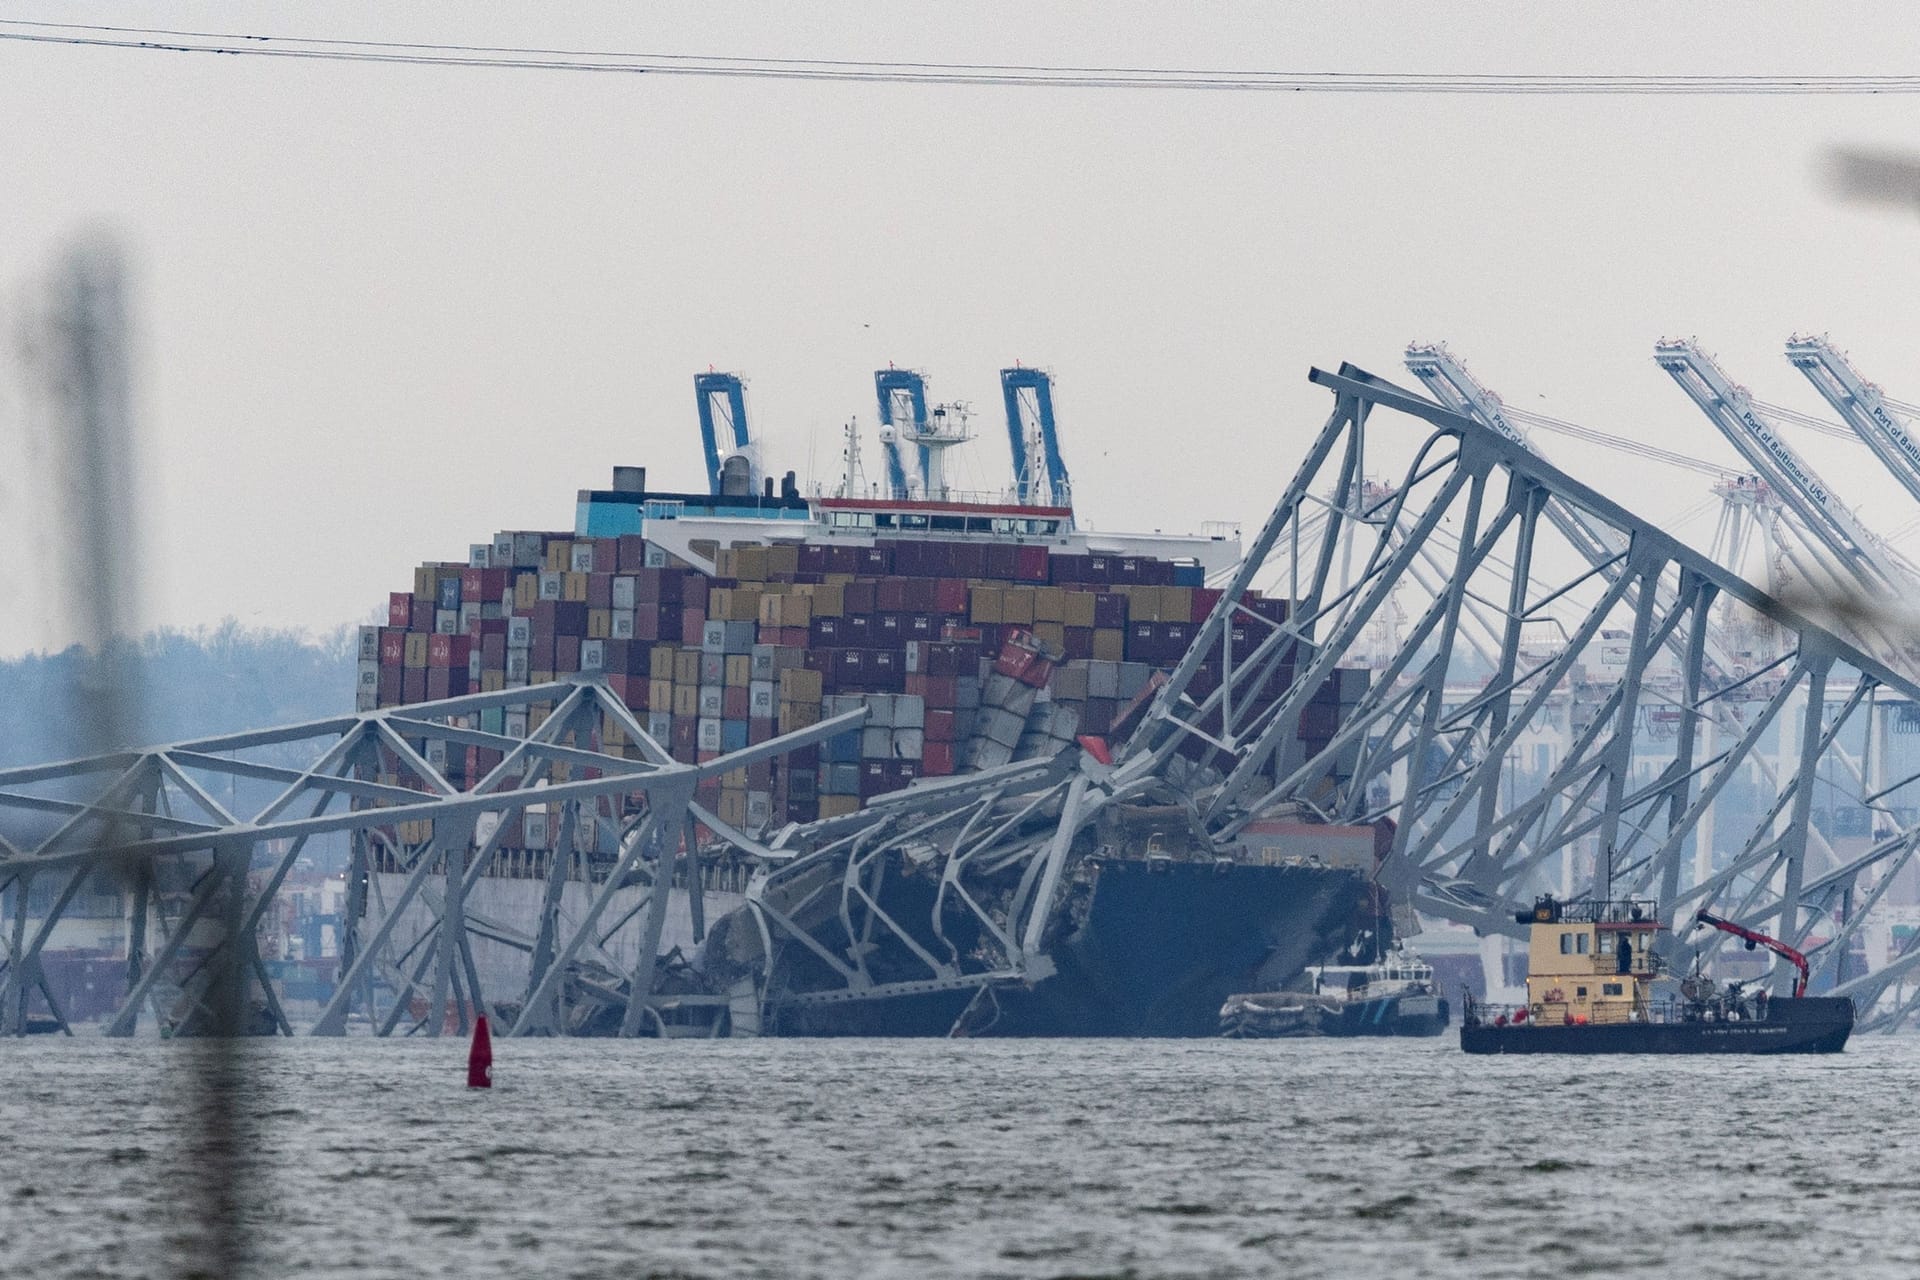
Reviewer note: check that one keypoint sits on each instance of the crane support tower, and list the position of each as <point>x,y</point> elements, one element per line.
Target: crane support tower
<point>731,411</point>
<point>1029,399</point>
<point>903,407</point>
<point>1860,404</point>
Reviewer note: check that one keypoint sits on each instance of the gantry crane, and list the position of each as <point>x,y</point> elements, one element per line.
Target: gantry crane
<point>1029,399</point>
<point>1852,552</point>
<point>903,408</point>
<point>1862,407</point>
<point>723,403</point>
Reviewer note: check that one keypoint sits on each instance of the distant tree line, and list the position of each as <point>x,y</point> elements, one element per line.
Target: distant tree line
<point>167,686</point>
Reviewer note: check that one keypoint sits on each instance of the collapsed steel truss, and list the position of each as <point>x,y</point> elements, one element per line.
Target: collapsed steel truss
<point>150,822</point>
<point>1398,498</point>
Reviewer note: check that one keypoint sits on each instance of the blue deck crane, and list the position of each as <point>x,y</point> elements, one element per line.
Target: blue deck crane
<point>1029,398</point>
<point>730,391</point>
<point>903,404</point>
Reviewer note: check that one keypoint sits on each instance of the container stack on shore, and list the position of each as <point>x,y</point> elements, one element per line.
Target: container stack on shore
<point>966,655</point>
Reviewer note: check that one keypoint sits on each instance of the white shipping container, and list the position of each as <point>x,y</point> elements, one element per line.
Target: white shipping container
<point>1103,679</point>
<point>516,724</point>
<point>437,752</point>
<point>659,726</point>
<point>656,557</point>
<point>761,699</point>
<point>369,644</point>
<point>517,667</point>
<point>908,744</point>
<point>480,555</point>
<point>519,633</point>
<point>876,744</point>
<point>880,710</point>
<point>623,592</point>
<point>763,668</point>
<point>366,699</point>
<point>484,826</point>
<point>446,622</point>
<point>623,624</point>
<point>552,584</point>
<point>759,808</point>
<point>593,655</point>
<point>909,711</point>
<point>476,665</point>
<point>713,702</point>
<point>533,828</point>
<point>369,674</point>
<point>707,735</point>
<point>469,614</point>
<point>713,637</point>
<point>581,560</point>
<point>502,551</point>
<point>528,550</point>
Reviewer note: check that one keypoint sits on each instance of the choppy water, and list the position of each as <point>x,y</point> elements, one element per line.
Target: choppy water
<point>1039,1158</point>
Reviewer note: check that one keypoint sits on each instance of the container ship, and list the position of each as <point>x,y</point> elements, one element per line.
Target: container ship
<point>977,630</point>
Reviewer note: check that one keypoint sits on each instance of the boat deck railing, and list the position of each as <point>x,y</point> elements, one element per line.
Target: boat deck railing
<point>1476,1013</point>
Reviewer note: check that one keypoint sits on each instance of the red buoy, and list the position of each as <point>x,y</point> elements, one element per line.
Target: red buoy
<point>480,1057</point>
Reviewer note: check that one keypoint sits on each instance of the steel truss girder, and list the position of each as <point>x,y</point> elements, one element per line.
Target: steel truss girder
<point>123,828</point>
<point>1463,494</point>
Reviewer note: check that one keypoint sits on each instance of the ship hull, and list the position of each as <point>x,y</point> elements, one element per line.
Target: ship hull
<point>1159,948</point>
<point>1387,1016</point>
<point>1808,1025</point>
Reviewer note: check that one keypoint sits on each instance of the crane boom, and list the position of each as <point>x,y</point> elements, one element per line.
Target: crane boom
<point>1454,387</point>
<point>1020,386</point>
<point>1827,519</point>
<point>1754,938</point>
<point>1860,404</point>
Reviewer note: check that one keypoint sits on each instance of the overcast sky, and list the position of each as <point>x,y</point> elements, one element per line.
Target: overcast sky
<point>385,311</point>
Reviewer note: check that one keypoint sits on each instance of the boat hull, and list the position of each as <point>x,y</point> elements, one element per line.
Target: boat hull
<point>1814,1024</point>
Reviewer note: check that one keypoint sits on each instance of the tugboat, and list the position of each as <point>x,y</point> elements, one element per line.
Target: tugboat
<point>1590,970</point>
<point>1394,996</point>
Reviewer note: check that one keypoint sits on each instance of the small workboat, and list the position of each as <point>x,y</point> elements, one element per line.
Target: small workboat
<point>1590,971</point>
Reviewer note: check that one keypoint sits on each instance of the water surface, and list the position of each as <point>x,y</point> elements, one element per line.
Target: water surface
<point>984,1158</point>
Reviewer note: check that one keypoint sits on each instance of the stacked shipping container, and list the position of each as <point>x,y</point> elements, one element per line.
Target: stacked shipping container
<point>965,654</point>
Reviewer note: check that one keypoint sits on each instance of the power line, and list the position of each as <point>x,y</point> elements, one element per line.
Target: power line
<point>500,57</point>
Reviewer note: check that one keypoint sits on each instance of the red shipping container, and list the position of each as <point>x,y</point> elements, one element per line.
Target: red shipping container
<point>599,590</point>
<point>858,598</point>
<point>735,702</point>
<point>482,586</point>
<point>446,682</point>
<point>566,653</point>
<point>632,553</point>
<point>793,637</point>
<point>413,685</point>
<point>1003,561</point>
<point>891,595</point>
<point>693,623</point>
<point>919,594</point>
<point>1204,600</point>
<point>759,730</point>
<point>399,610</point>
<point>936,759</point>
<point>950,595</point>
<point>1077,642</point>
<point>941,727</point>
<point>393,647</point>
<point>391,687</point>
<point>1030,564</point>
<point>448,651</point>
